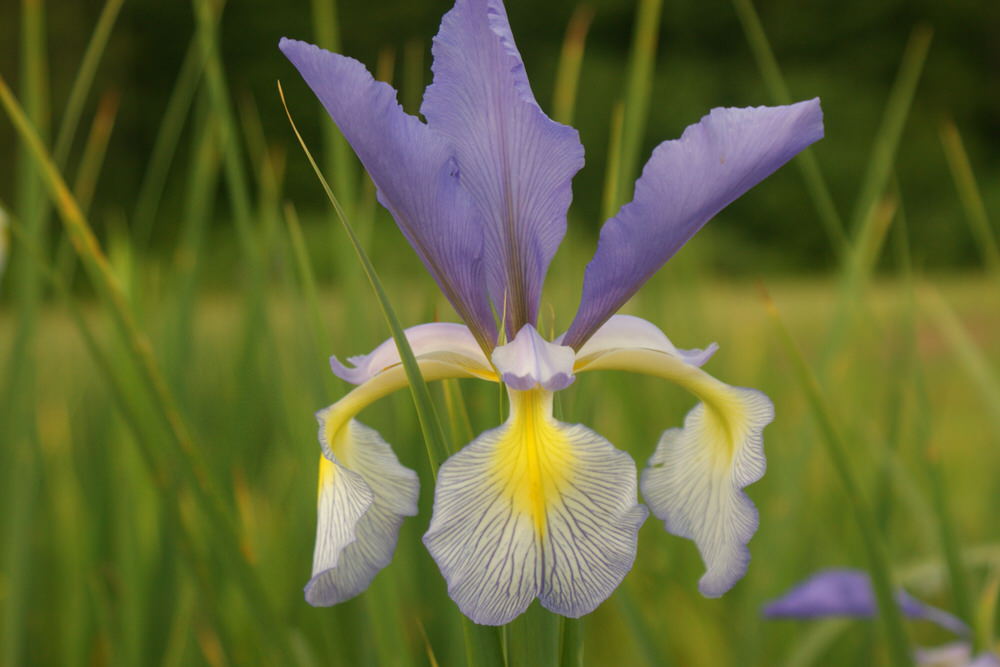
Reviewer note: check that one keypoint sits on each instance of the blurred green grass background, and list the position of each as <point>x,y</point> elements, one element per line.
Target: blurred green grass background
<point>159,376</point>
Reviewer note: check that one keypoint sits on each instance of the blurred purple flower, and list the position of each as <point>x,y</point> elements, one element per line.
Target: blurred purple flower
<point>536,507</point>
<point>849,593</point>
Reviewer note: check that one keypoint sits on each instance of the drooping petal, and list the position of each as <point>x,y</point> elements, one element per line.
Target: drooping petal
<point>415,173</point>
<point>515,162</point>
<point>529,361</point>
<point>534,508</point>
<point>683,185</point>
<point>364,492</point>
<point>849,593</point>
<point>363,498</point>
<point>344,497</point>
<point>423,338</point>
<point>695,479</point>
<point>628,331</point>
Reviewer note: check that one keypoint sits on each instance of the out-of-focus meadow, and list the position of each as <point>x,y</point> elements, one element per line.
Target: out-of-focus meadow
<point>176,281</point>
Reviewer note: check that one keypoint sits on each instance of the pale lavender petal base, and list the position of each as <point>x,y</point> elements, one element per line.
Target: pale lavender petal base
<point>683,185</point>
<point>530,361</point>
<point>423,338</point>
<point>630,332</point>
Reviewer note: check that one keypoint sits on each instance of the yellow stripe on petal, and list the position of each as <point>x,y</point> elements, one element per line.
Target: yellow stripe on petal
<point>364,492</point>
<point>534,458</point>
<point>435,366</point>
<point>534,508</point>
<point>695,479</point>
<point>362,502</point>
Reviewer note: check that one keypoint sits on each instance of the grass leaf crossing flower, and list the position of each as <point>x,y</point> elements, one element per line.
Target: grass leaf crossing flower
<point>535,507</point>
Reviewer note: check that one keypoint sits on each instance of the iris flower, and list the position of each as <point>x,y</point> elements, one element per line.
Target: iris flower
<point>535,507</point>
<point>848,593</point>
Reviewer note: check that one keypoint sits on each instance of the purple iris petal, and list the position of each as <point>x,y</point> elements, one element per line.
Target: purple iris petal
<point>684,184</point>
<point>515,162</point>
<point>415,173</point>
<point>849,593</point>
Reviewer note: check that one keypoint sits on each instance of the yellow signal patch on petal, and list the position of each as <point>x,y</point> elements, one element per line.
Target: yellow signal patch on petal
<point>534,508</point>
<point>695,480</point>
<point>534,460</point>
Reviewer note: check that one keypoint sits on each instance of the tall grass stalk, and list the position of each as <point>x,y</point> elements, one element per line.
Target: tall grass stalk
<point>970,197</point>
<point>338,158</point>
<point>19,416</point>
<point>874,210</point>
<point>168,136</point>
<point>210,501</point>
<point>84,80</point>
<point>889,613</point>
<point>970,357</point>
<point>806,161</point>
<point>570,62</point>
<point>638,88</point>
<point>481,647</point>
<point>890,131</point>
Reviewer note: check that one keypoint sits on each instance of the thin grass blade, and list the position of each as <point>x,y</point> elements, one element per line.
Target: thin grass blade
<point>638,88</point>
<point>570,62</point>
<point>889,613</point>
<point>806,161</point>
<point>969,195</point>
<point>482,647</point>
<point>970,357</point>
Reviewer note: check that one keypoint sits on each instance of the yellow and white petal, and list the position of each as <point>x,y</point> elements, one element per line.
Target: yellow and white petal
<point>534,508</point>
<point>530,361</point>
<point>628,331</point>
<point>364,492</point>
<point>424,339</point>
<point>362,501</point>
<point>695,479</point>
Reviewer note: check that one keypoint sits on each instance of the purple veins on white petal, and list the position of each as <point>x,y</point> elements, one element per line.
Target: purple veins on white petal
<point>498,554</point>
<point>363,500</point>
<point>695,479</point>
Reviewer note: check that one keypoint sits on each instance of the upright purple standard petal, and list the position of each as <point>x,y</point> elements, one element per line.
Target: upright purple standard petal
<point>684,184</point>
<point>416,176</point>
<point>849,593</point>
<point>515,162</point>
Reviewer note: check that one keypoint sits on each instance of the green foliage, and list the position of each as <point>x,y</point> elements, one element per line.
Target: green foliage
<point>156,411</point>
<point>846,53</point>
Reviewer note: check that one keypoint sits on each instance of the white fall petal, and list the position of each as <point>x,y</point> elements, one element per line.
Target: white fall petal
<point>534,508</point>
<point>362,503</point>
<point>695,479</point>
<point>364,492</point>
